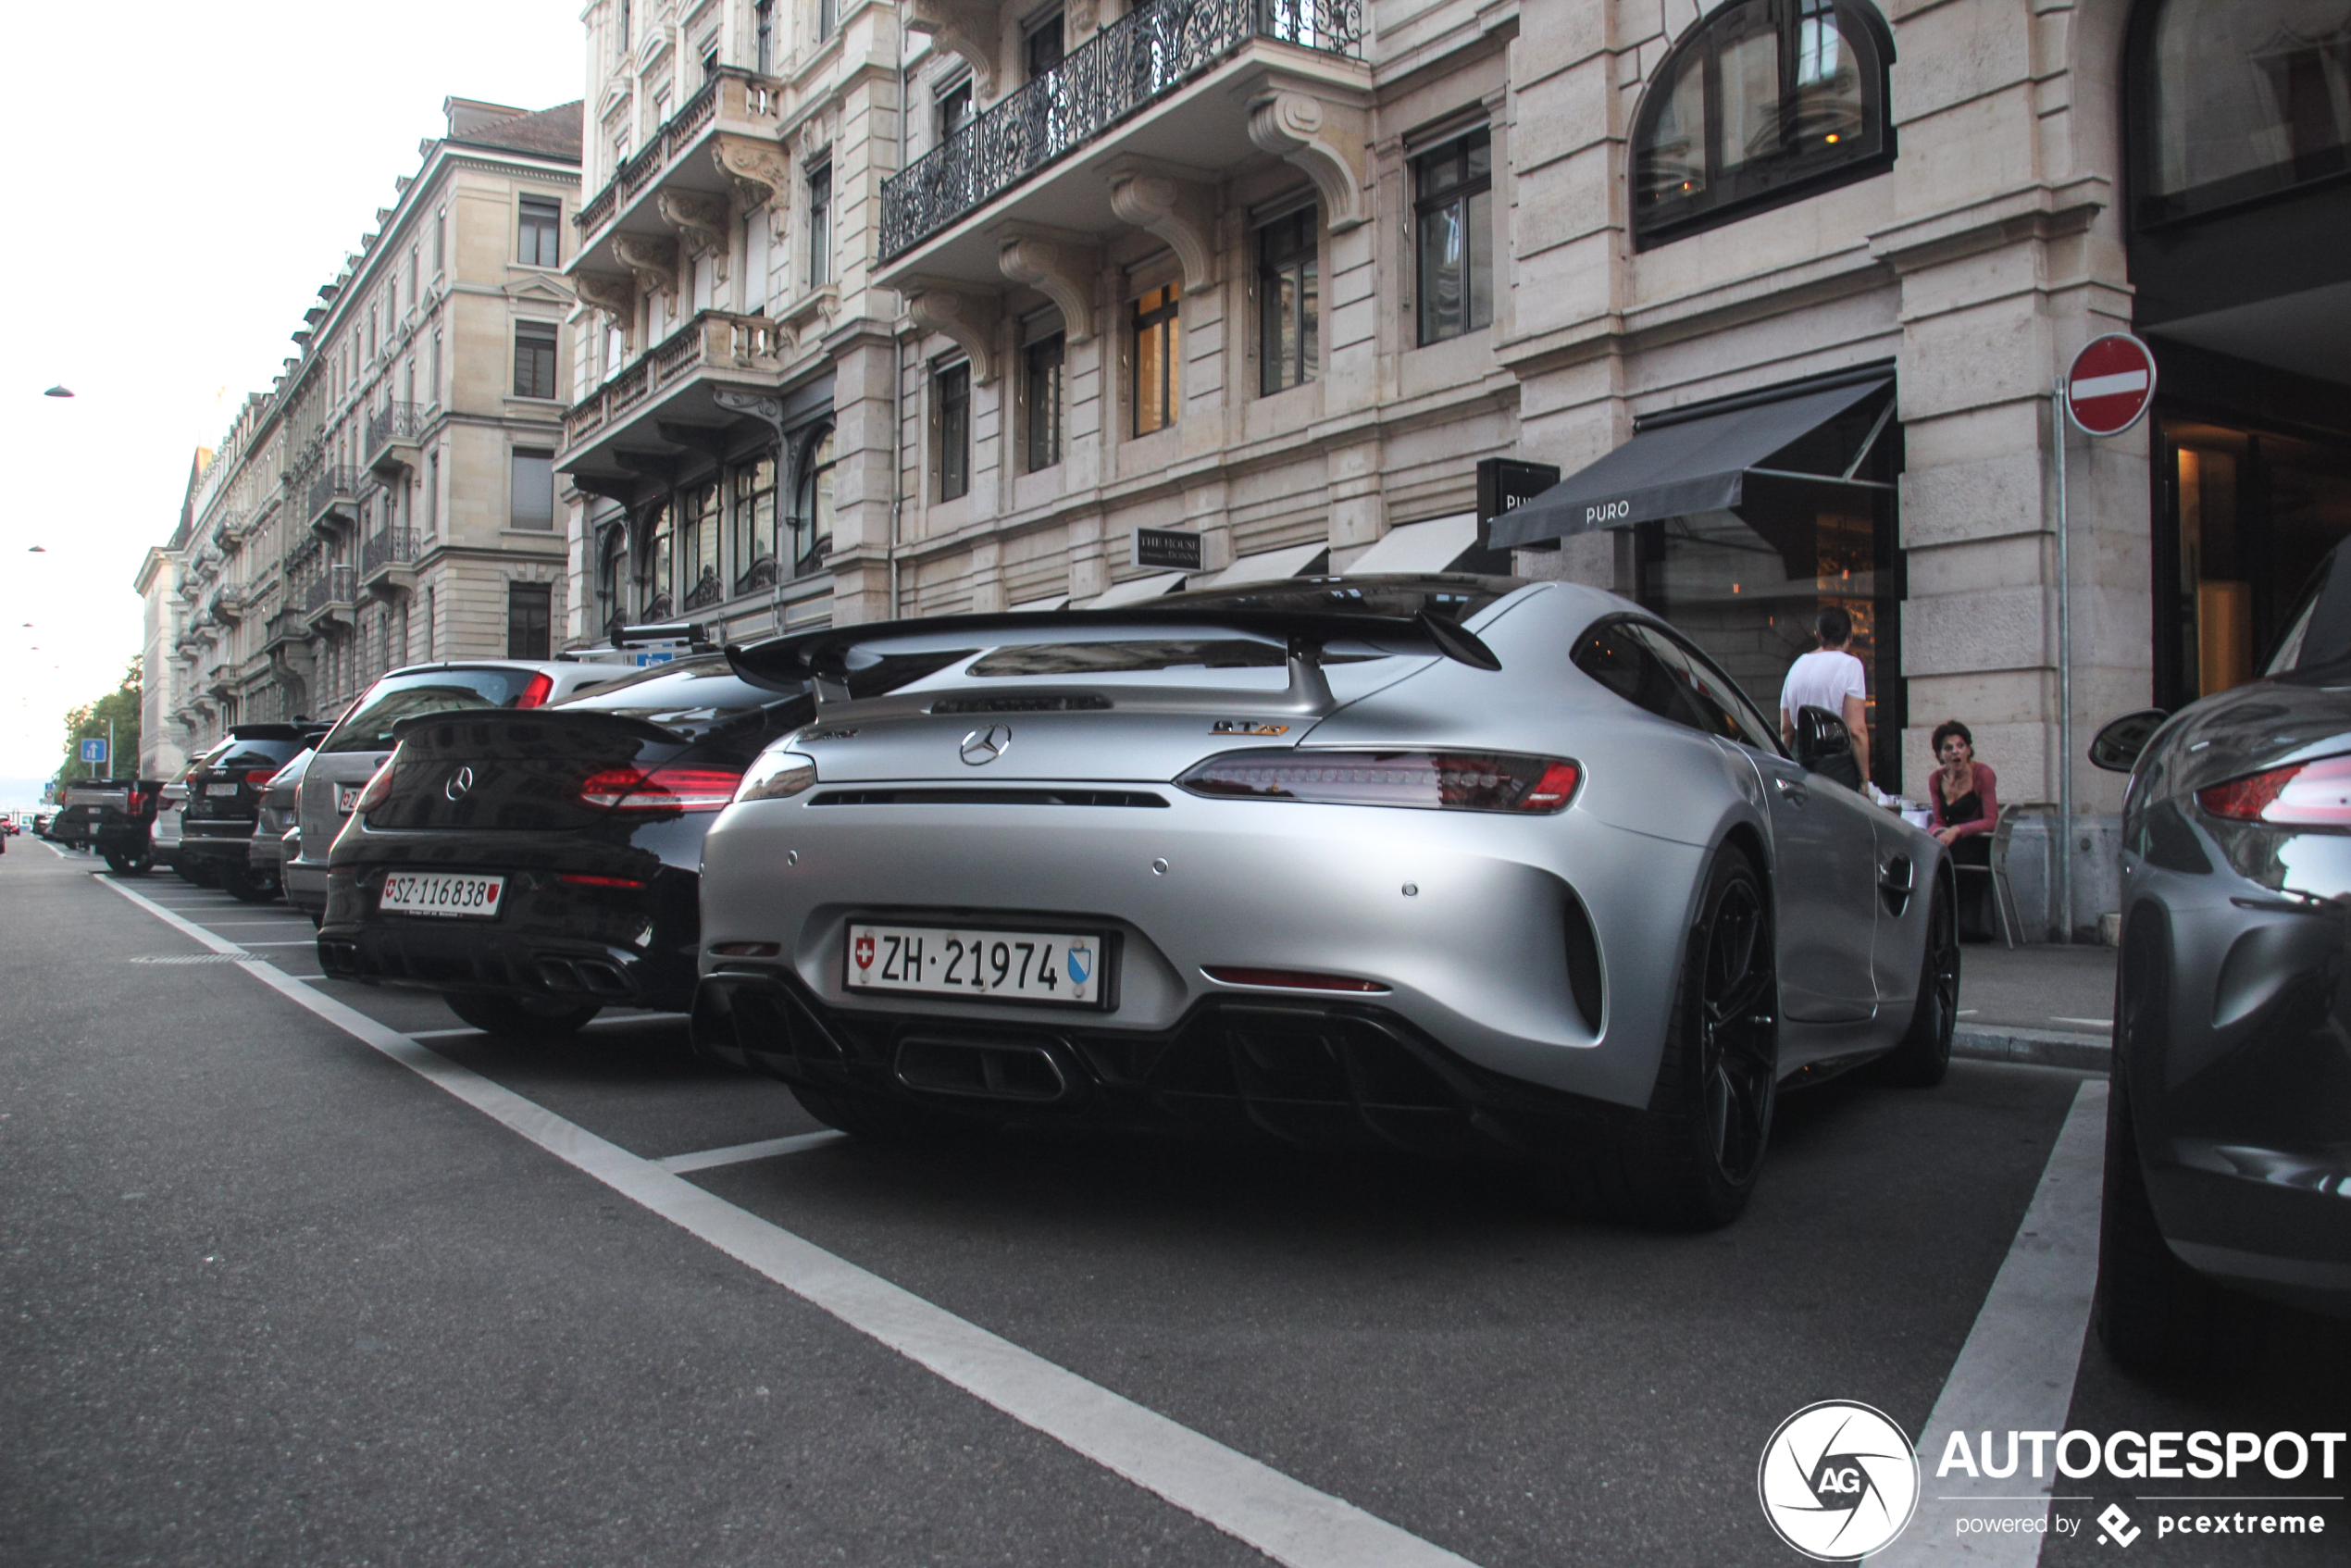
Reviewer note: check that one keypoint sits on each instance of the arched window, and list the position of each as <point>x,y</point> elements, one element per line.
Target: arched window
<point>2235,99</point>
<point>612,572</point>
<point>812,503</point>
<point>1766,101</point>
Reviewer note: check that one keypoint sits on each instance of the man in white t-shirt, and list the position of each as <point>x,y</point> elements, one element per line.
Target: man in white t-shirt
<point>1830,678</point>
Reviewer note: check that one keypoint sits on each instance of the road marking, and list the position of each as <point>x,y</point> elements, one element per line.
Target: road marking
<point>307,942</point>
<point>678,1164</point>
<point>2016,1370</point>
<point>1284,1518</point>
<point>611,1021</point>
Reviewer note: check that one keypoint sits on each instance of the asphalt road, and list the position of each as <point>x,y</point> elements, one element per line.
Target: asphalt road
<point>281,1288</point>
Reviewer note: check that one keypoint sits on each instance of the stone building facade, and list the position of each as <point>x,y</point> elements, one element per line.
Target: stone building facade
<point>391,498</point>
<point>1283,272</point>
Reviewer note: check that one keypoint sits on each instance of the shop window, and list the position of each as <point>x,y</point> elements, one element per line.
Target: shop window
<point>654,567</point>
<point>534,360</point>
<point>541,223</point>
<point>1767,100</point>
<point>755,524</point>
<point>1040,385</point>
<point>1453,216</point>
<point>612,572</point>
<point>812,505</point>
<point>696,546</point>
<point>1286,301</point>
<point>2238,99</point>
<point>1159,340</point>
<point>953,390</point>
<point>530,621</point>
<point>531,490</point>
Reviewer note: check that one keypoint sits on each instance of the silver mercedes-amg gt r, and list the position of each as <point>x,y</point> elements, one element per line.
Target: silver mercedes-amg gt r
<point>1446,863</point>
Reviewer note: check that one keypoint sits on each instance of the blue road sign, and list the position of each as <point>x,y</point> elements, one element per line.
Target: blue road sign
<point>94,749</point>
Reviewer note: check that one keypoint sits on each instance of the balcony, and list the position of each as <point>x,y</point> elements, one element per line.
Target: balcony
<point>1157,87</point>
<point>678,185</point>
<point>394,433</point>
<point>286,627</point>
<point>387,561</point>
<point>330,598</point>
<point>334,496</point>
<point>669,401</point>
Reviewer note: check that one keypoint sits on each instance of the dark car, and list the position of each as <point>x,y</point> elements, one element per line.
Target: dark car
<point>2229,1137</point>
<point>538,864</point>
<point>115,816</point>
<point>225,789</point>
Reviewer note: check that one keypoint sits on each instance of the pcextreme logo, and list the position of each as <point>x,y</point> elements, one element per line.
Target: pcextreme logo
<point>1838,1480</point>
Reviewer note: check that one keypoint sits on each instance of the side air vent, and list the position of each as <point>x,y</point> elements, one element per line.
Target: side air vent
<point>954,797</point>
<point>1035,702</point>
<point>1583,963</point>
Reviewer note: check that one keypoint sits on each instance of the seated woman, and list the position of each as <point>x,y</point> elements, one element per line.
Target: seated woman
<point>1965,798</point>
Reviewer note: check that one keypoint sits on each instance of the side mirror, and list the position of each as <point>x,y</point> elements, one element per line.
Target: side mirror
<point>2116,747</point>
<point>1819,735</point>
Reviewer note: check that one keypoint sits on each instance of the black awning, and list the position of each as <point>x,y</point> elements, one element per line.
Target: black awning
<point>1680,468</point>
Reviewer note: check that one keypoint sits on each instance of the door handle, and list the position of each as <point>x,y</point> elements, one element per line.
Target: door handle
<point>1793,790</point>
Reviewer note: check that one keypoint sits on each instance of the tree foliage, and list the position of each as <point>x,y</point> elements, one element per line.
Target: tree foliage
<point>120,707</point>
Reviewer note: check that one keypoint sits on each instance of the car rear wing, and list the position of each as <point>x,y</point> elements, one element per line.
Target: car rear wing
<point>821,658</point>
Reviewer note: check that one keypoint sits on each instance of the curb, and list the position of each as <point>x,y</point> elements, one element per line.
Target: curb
<point>2043,1048</point>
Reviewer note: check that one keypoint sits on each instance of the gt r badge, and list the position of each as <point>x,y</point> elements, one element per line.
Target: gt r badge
<point>1080,963</point>
<point>864,953</point>
<point>1246,727</point>
<point>984,746</point>
<point>459,783</point>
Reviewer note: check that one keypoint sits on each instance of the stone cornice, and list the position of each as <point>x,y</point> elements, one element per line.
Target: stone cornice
<point>2026,212</point>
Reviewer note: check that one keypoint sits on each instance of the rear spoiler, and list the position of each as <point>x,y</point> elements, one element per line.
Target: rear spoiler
<point>820,658</point>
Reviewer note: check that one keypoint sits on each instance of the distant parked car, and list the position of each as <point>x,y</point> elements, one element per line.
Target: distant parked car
<point>274,828</point>
<point>116,817</point>
<point>163,838</point>
<point>537,866</point>
<point>224,802</point>
<point>2227,1163</point>
<point>361,742</point>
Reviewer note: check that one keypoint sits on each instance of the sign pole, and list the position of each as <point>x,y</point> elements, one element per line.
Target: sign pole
<point>2065,680</point>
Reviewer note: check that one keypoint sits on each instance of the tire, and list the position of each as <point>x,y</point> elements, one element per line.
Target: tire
<point>1924,1055</point>
<point>197,872</point>
<point>1690,1162</point>
<point>520,1018</point>
<point>239,883</point>
<point>880,1120</point>
<point>130,865</point>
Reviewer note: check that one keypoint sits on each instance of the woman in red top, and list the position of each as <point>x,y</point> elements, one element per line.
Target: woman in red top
<point>1964,794</point>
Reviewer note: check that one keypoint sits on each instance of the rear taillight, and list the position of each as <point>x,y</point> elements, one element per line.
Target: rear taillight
<point>580,879</point>
<point>2309,794</point>
<point>536,692</point>
<point>1424,780</point>
<point>134,803</point>
<point>261,776</point>
<point>660,788</point>
<point>379,788</point>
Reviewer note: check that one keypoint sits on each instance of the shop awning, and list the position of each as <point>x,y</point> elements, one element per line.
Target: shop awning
<point>1431,547</point>
<point>1134,591</point>
<point>1270,566</point>
<point>1680,467</point>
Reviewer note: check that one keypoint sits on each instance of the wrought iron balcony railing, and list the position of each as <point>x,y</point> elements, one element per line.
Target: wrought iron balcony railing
<point>387,547</point>
<point>333,482</point>
<point>336,585</point>
<point>395,421</point>
<point>1143,56</point>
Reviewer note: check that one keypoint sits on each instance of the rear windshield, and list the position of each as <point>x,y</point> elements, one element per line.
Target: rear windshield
<point>691,698</point>
<point>368,728</point>
<point>243,755</point>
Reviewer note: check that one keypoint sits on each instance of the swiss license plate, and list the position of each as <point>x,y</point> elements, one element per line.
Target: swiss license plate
<point>440,893</point>
<point>217,791</point>
<point>347,797</point>
<point>1036,966</point>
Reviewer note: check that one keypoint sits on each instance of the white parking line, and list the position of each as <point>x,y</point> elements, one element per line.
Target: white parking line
<point>608,1021</point>
<point>1284,1518</point>
<point>678,1164</point>
<point>2016,1370</point>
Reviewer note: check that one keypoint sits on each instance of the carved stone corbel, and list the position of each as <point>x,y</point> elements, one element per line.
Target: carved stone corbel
<point>967,315</point>
<point>654,261</point>
<point>961,27</point>
<point>1061,268</point>
<point>1182,212</point>
<point>614,294</point>
<point>759,172</point>
<point>701,221</point>
<point>1083,16</point>
<point>1325,139</point>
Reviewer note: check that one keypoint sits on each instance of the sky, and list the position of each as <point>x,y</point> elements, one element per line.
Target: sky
<point>178,190</point>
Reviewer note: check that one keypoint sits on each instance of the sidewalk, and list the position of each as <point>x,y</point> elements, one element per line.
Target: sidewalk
<point>2042,1003</point>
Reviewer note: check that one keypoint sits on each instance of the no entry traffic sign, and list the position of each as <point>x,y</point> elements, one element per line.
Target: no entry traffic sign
<point>2110,385</point>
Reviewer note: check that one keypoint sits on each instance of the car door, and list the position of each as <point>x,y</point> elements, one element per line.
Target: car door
<point>1825,842</point>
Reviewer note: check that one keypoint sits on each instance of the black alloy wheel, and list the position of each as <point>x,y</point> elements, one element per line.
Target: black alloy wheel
<point>132,865</point>
<point>1690,1162</point>
<point>1924,1055</point>
<point>520,1018</point>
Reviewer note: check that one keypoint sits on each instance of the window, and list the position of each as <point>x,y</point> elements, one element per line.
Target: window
<point>1455,221</point>
<point>652,586</point>
<point>611,577</point>
<point>529,619</point>
<point>954,393</point>
<point>532,491</point>
<point>954,109</point>
<point>1041,47</point>
<point>698,546</point>
<point>763,37</point>
<point>1158,345</point>
<point>709,59</point>
<point>812,503</point>
<point>441,241</point>
<point>1286,301</point>
<point>541,216</point>
<point>820,225</point>
<point>534,360</point>
<point>621,28</point>
<point>1040,396</point>
<point>755,525</point>
<point>828,18</point>
<point>432,492</point>
<point>2241,99</point>
<point>433,371</point>
<point>1766,100</point>
<point>415,255</point>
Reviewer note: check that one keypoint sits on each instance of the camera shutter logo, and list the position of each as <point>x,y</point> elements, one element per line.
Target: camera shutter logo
<point>1838,1480</point>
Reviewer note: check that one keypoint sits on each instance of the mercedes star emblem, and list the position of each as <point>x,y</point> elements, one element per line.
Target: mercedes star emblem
<point>984,746</point>
<point>459,782</point>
